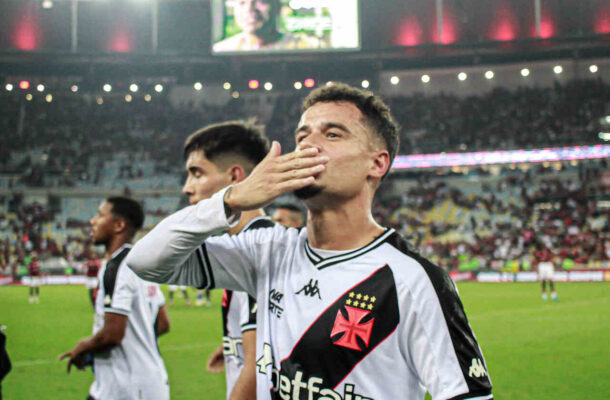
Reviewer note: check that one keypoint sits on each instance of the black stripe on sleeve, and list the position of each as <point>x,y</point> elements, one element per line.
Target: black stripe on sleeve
<point>206,268</point>
<point>464,342</point>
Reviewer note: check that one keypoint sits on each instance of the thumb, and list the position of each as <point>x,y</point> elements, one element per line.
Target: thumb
<point>275,150</point>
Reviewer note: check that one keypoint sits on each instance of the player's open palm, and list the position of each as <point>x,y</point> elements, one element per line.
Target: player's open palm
<point>275,175</point>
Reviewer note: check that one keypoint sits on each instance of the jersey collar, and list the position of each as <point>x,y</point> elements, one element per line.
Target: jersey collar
<point>321,262</point>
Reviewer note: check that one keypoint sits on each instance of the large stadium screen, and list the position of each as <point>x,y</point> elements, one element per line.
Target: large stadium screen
<point>251,26</point>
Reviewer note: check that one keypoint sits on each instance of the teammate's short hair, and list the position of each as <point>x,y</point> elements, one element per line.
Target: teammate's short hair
<point>241,138</point>
<point>290,206</point>
<point>128,210</point>
<point>376,113</point>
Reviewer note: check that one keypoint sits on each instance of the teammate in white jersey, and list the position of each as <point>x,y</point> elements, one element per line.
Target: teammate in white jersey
<point>129,316</point>
<point>217,156</point>
<point>346,308</point>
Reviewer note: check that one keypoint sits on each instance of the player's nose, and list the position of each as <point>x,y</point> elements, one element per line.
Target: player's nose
<point>308,143</point>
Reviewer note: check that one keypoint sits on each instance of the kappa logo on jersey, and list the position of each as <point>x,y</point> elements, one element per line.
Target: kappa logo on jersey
<point>310,289</point>
<point>477,370</point>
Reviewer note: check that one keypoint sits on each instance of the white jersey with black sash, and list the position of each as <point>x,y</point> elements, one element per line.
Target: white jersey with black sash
<point>378,322</point>
<point>133,369</point>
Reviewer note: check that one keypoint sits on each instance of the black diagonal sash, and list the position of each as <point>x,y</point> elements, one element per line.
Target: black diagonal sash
<point>345,333</point>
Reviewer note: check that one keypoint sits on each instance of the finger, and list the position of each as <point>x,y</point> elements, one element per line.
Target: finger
<point>303,172</point>
<point>300,163</point>
<point>307,152</point>
<point>62,356</point>
<point>69,365</point>
<point>275,151</point>
<point>295,184</point>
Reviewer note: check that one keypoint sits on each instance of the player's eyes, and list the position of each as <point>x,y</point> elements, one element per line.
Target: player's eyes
<point>333,135</point>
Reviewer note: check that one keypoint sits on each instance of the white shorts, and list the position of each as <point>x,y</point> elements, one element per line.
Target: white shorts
<point>34,281</point>
<point>173,288</point>
<point>91,282</point>
<point>546,270</point>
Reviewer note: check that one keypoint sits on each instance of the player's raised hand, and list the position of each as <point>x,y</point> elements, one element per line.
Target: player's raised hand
<point>275,175</point>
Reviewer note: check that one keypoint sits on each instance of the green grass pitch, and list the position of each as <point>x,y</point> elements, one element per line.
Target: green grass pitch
<point>534,349</point>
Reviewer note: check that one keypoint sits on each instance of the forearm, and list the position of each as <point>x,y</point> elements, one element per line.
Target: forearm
<point>167,253</point>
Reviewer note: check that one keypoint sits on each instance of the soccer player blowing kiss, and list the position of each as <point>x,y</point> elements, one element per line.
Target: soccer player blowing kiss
<point>346,308</point>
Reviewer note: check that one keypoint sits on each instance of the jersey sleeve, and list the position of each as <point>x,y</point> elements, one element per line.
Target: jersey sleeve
<point>171,252</point>
<point>248,312</point>
<point>441,345</point>
<point>125,289</point>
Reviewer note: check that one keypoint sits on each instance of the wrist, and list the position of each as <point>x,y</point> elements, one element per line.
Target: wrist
<point>229,204</point>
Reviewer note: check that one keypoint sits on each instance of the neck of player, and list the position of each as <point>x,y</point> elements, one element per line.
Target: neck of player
<point>114,243</point>
<point>342,224</point>
<point>246,217</point>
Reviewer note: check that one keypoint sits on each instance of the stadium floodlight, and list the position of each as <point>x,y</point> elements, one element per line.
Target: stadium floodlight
<point>298,85</point>
<point>462,76</point>
<point>235,94</point>
<point>128,98</point>
<point>365,84</point>
<point>489,74</point>
<point>268,86</point>
<point>49,98</point>
<point>47,4</point>
<point>605,136</point>
<point>226,86</point>
<point>425,78</point>
<point>394,80</point>
<point>99,101</point>
<point>525,72</point>
<point>40,87</point>
<point>8,87</point>
<point>593,68</point>
<point>29,97</point>
<point>74,88</point>
<point>107,88</point>
<point>24,85</point>
<point>309,83</point>
<point>133,87</point>
<point>158,88</point>
<point>253,84</point>
<point>198,86</point>
<point>147,98</point>
<point>557,69</point>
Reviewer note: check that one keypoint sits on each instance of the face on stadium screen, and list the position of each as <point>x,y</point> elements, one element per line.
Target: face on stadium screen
<point>204,178</point>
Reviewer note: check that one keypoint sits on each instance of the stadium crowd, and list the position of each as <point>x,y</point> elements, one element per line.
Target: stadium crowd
<point>498,223</point>
<point>70,139</point>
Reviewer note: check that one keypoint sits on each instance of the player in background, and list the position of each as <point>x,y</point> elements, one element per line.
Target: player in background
<point>347,309</point>
<point>201,294</point>
<point>288,215</point>
<point>217,156</point>
<point>173,289</point>
<point>34,273</point>
<point>91,283</point>
<point>546,271</point>
<point>129,315</point>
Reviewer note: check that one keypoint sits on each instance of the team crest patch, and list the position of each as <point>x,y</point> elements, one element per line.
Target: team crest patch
<point>358,306</point>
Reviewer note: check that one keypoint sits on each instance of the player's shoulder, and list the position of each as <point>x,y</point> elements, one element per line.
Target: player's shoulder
<point>409,264</point>
<point>263,229</point>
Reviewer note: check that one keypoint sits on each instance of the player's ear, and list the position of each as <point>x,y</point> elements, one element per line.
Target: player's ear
<point>381,163</point>
<point>237,173</point>
<point>119,225</point>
